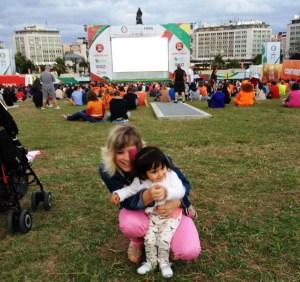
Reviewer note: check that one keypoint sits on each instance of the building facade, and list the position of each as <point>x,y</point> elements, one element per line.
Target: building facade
<point>240,41</point>
<point>293,37</point>
<point>42,46</point>
<point>79,47</point>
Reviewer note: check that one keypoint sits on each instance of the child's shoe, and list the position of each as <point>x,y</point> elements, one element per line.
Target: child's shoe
<point>166,270</point>
<point>145,268</point>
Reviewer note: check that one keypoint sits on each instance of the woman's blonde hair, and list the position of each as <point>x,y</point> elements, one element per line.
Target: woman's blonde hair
<point>118,138</point>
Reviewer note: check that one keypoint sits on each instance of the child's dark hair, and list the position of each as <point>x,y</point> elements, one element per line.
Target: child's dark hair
<point>150,158</point>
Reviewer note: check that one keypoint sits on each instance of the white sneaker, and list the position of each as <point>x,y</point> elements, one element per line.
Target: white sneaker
<point>145,268</point>
<point>166,270</point>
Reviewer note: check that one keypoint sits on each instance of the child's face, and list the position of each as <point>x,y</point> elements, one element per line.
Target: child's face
<point>157,174</point>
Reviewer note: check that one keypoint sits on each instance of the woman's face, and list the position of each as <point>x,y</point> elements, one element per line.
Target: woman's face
<point>124,157</point>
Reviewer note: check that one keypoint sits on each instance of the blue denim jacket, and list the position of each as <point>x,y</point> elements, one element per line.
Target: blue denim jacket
<point>135,202</point>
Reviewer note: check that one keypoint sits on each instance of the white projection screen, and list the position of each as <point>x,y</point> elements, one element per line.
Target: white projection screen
<point>140,54</point>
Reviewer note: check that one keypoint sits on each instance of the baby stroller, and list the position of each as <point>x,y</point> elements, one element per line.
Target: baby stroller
<point>15,177</point>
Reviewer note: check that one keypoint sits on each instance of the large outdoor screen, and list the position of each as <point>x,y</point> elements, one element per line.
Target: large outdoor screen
<point>140,54</point>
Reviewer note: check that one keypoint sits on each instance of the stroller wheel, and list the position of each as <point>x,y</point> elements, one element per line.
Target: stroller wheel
<point>12,221</point>
<point>25,221</point>
<point>47,200</point>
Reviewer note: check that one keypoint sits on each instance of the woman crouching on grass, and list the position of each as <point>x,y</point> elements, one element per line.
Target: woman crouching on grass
<point>116,170</point>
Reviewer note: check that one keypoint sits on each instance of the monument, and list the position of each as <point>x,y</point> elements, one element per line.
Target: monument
<point>139,16</point>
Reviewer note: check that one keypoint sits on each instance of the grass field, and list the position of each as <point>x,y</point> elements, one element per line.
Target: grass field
<point>244,167</point>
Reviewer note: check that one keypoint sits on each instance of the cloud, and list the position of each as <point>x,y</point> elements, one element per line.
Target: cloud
<point>69,16</point>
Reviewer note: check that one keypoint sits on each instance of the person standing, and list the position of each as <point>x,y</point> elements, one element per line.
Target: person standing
<point>47,79</point>
<point>179,78</point>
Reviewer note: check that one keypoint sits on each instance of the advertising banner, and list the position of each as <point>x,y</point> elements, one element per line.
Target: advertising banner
<point>4,61</point>
<point>291,69</point>
<point>271,53</point>
<point>272,72</point>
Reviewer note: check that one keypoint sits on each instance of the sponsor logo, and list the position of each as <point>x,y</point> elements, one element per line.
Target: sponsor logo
<point>124,29</point>
<point>148,28</point>
<point>179,46</point>
<point>100,61</point>
<point>273,47</point>
<point>99,48</point>
<point>101,66</point>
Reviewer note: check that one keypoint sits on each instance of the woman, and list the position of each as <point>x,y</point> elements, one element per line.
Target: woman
<point>293,99</point>
<point>116,171</point>
<point>95,110</point>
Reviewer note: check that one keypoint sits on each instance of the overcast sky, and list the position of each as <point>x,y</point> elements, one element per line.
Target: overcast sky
<point>69,16</point>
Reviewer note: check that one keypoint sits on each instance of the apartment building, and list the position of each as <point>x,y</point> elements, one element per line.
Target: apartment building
<point>233,41</point>
<point>293,37</point>
<point>42,46</point>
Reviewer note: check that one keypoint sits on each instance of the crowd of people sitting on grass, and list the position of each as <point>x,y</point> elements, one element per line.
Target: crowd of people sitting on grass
<point>114,102</point>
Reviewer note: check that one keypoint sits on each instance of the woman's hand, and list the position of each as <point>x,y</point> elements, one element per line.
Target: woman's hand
<point>168,208</point>
<point>115,199</point>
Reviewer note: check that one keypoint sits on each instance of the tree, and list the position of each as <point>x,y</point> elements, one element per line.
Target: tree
<point>60,66</point>
<point>233,64</point>
<point>23,65</point>
<point>257,60</point>
<point>84,64</point>
<point>218,62</point>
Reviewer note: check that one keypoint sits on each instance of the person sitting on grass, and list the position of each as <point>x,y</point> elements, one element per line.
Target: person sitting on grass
<point>217,99</point>
<point>153,169</point>
<point>94,112</point>
<point>246,96</point>
<point>293,98</point>
<point>117,108</point>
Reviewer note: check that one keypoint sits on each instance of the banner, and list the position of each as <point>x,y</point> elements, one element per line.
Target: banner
<point>4,61</point>
<point>291,69</point>
<point>271,53</point>
<point>272,72</point>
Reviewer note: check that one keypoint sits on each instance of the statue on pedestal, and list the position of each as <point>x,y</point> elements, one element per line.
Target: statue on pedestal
<point>139,16</point>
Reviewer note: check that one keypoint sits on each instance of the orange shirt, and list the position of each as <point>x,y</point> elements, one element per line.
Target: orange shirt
<point>95,109</point>
<point>203,90</point>
<point>244,98</point>
<point>142,98</point>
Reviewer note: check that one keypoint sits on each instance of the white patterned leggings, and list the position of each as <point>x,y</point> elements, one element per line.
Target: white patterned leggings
<point>158,238</point>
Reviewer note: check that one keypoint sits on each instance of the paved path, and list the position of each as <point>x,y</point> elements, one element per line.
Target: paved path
<point>177,111</point>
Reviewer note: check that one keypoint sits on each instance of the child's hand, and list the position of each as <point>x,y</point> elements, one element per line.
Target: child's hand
<point>115,199</point>
<point>158,192</point>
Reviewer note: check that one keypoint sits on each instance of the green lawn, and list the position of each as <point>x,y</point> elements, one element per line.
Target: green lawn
<point>244,166</point>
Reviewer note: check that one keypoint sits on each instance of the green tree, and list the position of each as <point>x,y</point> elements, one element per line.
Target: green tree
<point>59,66</point>
<point>233,64</point>
<point>257,60</point>
<point>218,62</point>
<point>84,64</point>
<point>23,65</point>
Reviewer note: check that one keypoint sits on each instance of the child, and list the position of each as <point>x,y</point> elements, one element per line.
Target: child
<point>154,169</point>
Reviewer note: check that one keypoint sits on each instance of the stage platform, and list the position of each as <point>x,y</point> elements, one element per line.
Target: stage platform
<point>177,111</point>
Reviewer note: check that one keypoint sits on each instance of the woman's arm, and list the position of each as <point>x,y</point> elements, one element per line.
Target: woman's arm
<point>117,182</point>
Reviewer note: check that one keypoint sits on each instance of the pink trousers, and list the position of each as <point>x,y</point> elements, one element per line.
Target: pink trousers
<point>185,244</point>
